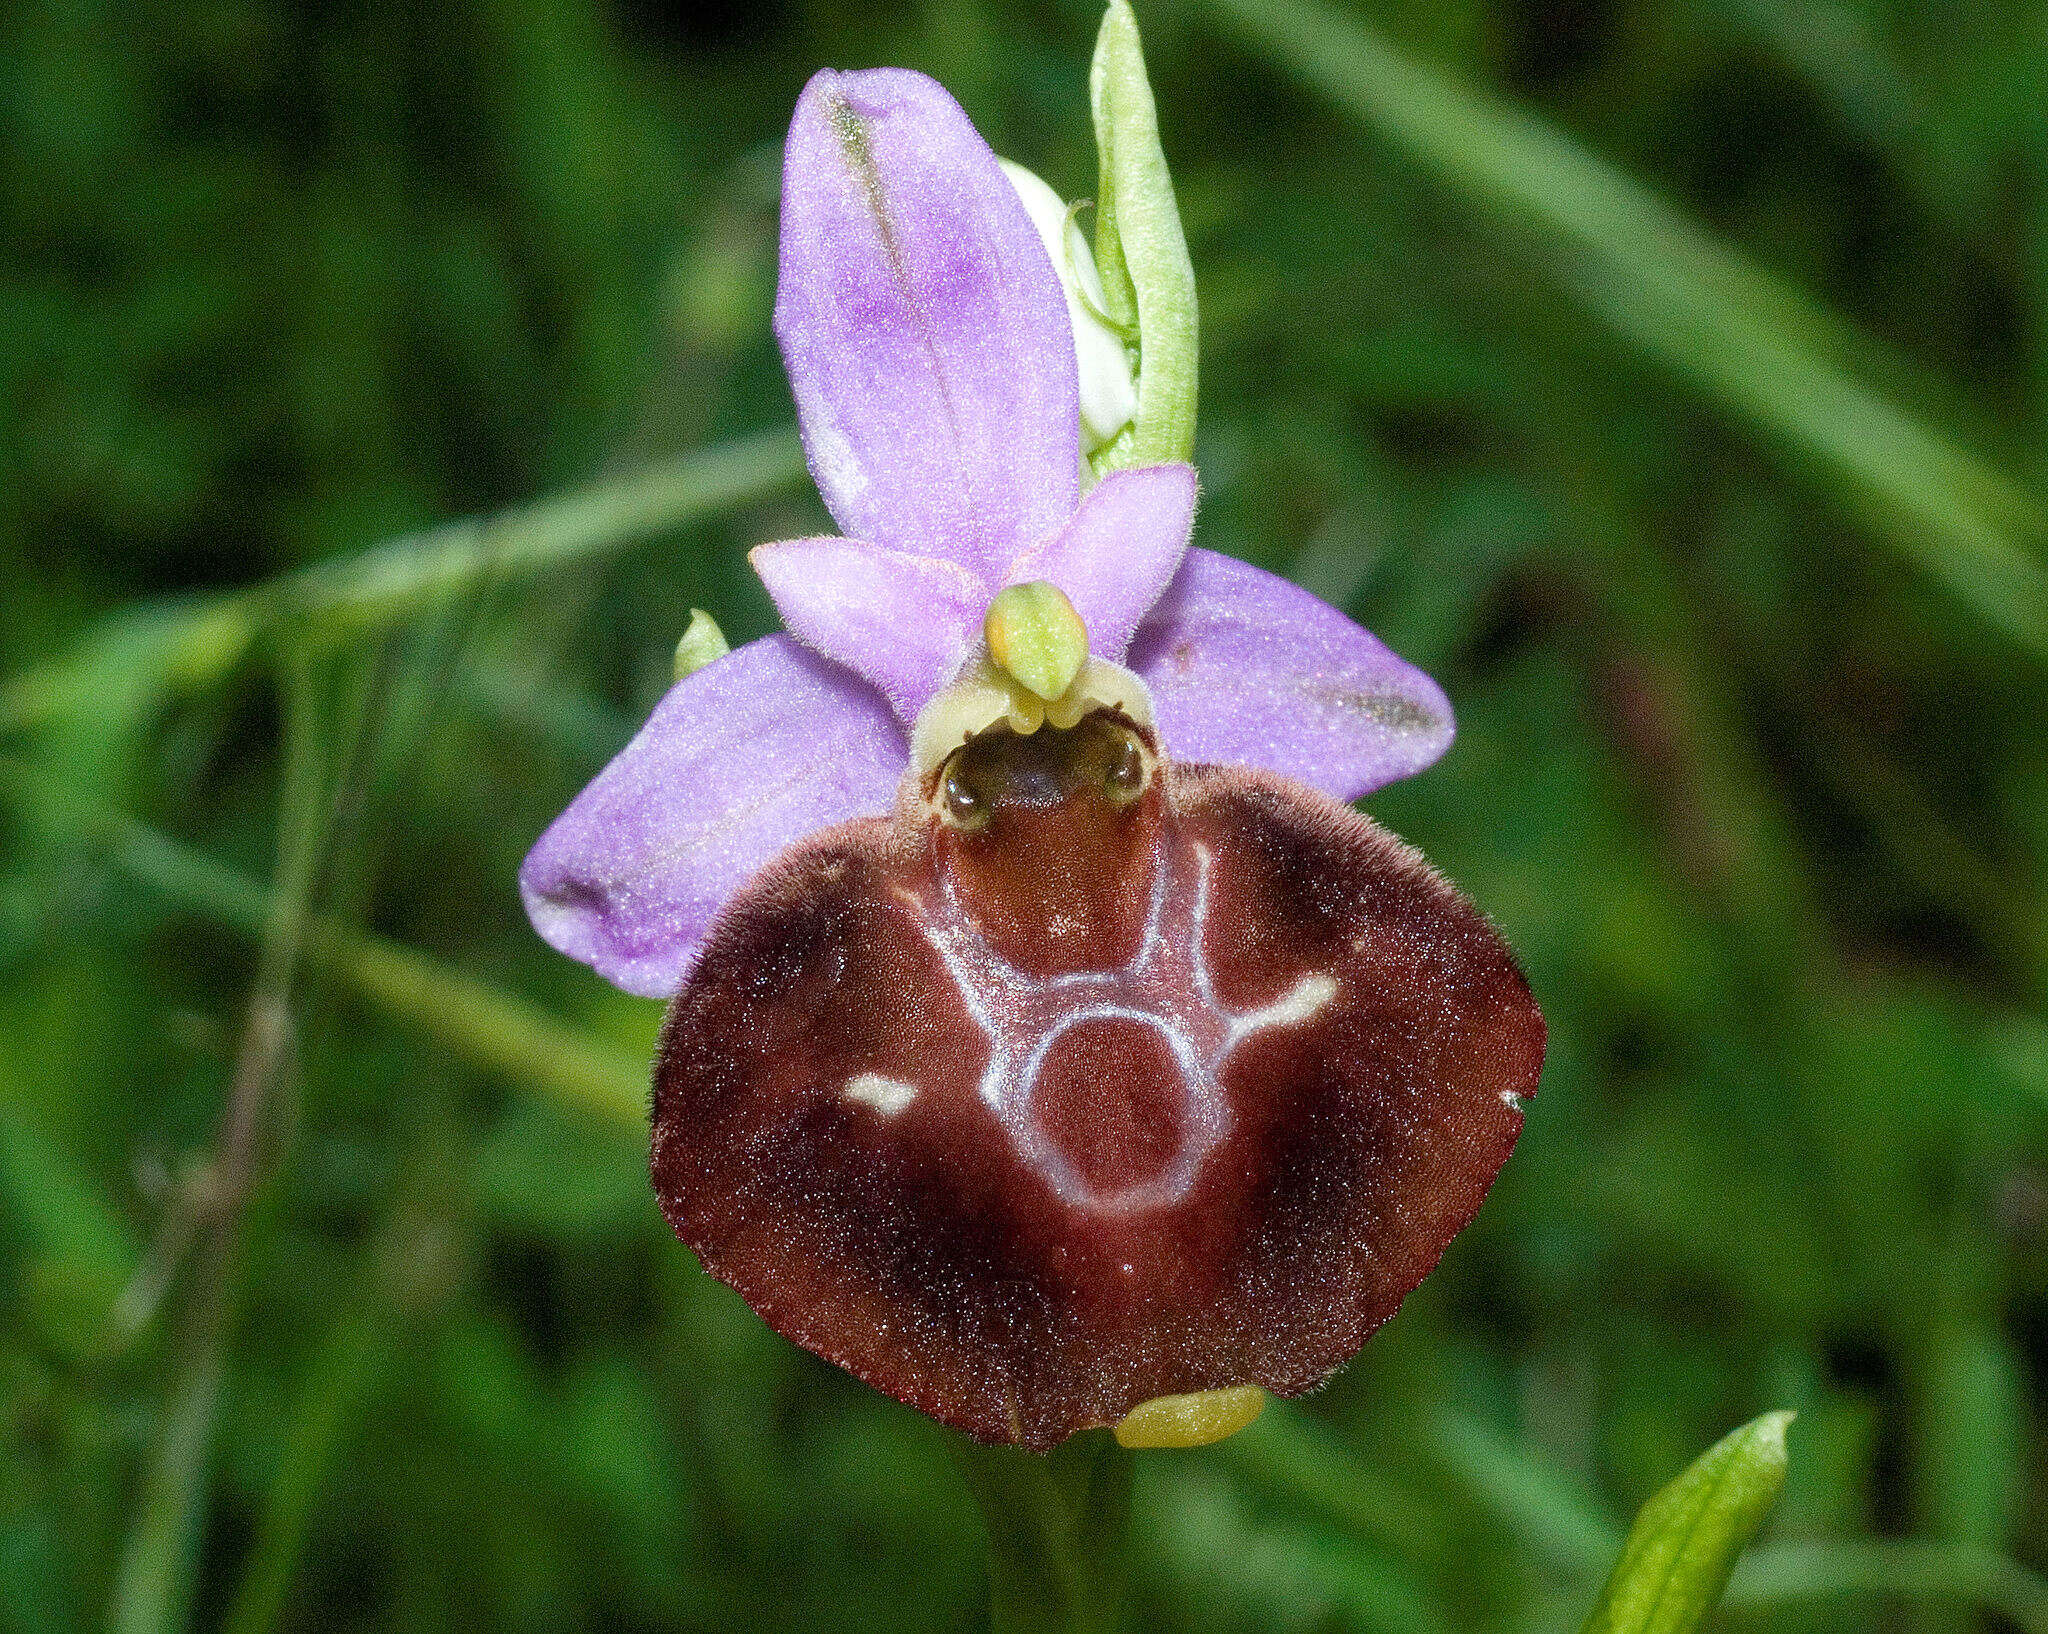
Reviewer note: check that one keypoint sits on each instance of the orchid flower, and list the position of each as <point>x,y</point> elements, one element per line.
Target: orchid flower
<point>1048,1040</point>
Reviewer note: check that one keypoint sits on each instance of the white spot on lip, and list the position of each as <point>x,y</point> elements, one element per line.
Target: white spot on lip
<point>1299,1003</point>
<point>887,1096</point>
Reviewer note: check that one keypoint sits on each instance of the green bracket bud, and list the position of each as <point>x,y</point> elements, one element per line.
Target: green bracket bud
<point>702,642</point>
<point>1148,279</point>
<point>1035,636</point>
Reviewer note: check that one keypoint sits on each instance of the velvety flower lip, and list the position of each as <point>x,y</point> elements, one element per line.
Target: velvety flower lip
<point>932,360</point>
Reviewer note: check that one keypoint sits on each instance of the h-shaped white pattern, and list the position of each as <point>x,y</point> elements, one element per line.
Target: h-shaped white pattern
<point>1166,986</point>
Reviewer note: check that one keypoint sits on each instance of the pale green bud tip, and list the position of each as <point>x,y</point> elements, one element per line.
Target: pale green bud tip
<point>1685,1541</point>
<point>1193,1420</point>
<point>702,642</point>
<point>1035,637</point>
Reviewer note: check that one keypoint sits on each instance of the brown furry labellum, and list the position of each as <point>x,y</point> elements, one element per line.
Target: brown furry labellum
<point>1086,1079</point>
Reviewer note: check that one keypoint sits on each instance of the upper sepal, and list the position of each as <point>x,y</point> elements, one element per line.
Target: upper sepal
<point>923,326</point>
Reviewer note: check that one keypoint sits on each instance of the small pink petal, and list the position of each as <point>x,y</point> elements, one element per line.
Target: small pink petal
<point>906,622</point>
<point>1118,551</point>
<point>1247,669</point>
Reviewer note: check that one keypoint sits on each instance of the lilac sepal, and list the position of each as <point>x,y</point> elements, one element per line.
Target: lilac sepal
<point>1246,668</point>
<point>1118,551</point>
<point>905,622</point>
<point>924,330</point>
<point>739,760</point>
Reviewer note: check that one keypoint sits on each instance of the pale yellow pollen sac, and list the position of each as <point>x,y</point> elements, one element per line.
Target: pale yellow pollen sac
<point>1193,1420</point>
<point>1036,638</point>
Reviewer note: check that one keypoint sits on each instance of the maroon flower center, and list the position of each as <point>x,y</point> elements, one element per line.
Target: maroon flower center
<point>1110,1107</point>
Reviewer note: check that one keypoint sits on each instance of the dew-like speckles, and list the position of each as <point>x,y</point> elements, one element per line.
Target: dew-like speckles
<point>886,1095</point>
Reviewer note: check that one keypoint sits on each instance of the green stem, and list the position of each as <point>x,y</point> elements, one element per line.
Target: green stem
<point>1058,1534</point>
<point>475,1021</point>
<point>154,1590</point>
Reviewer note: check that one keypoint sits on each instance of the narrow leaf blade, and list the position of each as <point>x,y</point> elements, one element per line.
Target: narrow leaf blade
<point>1686,1539</point>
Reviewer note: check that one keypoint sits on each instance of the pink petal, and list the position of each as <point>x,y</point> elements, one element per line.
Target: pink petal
<point>906,622</point>
<point>1248,669</point>
<point>751,753</point>
<point>924,330</point>
<point>1118,551</point>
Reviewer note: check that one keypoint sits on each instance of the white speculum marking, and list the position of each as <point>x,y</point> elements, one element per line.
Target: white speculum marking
<point>1166,986</point>
<point>887,1096</point>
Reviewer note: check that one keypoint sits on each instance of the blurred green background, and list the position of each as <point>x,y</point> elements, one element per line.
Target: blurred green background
<point>1669,377</point>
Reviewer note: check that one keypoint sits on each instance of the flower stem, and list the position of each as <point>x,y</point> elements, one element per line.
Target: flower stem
<point>153,1592</point>
<point>1058,1534</point>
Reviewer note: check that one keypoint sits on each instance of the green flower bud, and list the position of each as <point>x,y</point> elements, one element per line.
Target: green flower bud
<point>702,642</point>
<point>1148,279</point>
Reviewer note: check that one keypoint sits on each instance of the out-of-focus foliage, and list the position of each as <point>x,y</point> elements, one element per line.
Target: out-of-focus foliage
<point>1752,769</point>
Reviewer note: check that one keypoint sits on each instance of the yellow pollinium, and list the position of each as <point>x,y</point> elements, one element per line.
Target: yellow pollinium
<point>1036,638</point>
<point>1192,1420</point>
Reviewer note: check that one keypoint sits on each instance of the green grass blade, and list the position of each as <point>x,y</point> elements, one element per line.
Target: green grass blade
<point>1540,1506</point>
<point>382,584</point>
<point>1909,1569</point>
<point>1746,338</point>
<point>476,1021</point>
<point>193,642</point>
